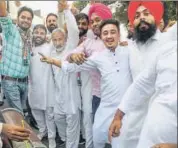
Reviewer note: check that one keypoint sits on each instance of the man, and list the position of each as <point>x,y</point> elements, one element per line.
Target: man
<point>148,40</point>
<point>112,62</point>
<point>68,102</point>
<point>130,30</point>
<point>14,132</point>
<point>161,121</point>
<point>15,55</point>
<point>41,90</point>
<point>51,22</point>
<point>97,13</point>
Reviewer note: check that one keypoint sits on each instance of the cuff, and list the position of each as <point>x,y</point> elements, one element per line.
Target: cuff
<point>5,20</point>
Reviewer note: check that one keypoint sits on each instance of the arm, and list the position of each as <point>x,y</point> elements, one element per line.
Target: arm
<point>6,22</point>
<point>3,12</point>
<point>140,90</point>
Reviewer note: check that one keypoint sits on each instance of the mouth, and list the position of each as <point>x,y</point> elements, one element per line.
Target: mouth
<point>143,26</point>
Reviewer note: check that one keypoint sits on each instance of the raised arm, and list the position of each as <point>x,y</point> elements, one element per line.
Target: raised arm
<point>72,28</point>
<point>3,11</point>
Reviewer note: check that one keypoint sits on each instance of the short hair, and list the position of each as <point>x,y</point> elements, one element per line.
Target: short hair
<point>58,30</point>
<point>40,26</point>
<point>81,16</point>
<point>51,14</point>
<point>109,21</point>
<point>22,9</point>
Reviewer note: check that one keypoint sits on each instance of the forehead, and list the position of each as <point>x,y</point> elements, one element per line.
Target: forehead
<point>57,34</point>
<point>51,17</point>
<point>95,16</point>
<point>83,20</point>
<point>141,9</point>
<point>109,27</point>
<point>39,29</point>
<point>26,13</point>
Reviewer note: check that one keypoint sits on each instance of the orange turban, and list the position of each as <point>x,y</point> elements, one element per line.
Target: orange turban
<point>156,9</point>
<point>101,10</point>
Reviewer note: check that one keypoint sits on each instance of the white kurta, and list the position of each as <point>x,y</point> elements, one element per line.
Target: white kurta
<point>68,95</point>
<point>41,83</point>
<point>160,125</point>
<point>141,55</point>
<point>115,79</point>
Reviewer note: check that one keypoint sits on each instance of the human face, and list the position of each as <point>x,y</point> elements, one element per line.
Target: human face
<point>95,23</point>
<point>110,35</point>
<point>82,26</point>
<point>144,24</point>
<point>25,20</point>
<point>39,36</point>
<point>51,23</point>
<point>58,39</point>
<point>143,15</point>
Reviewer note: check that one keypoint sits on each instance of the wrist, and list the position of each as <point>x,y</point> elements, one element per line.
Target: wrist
<point>119,114</point>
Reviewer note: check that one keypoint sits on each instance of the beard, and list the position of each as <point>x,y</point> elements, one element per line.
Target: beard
<point>51,28</point>
<point>59,48</point>
<point>82,32</point>
<point>38,41</point>
<point>143,34</point>
<point>130,35</point>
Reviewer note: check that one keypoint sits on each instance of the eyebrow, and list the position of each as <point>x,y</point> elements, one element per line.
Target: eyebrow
<point>142,10</point>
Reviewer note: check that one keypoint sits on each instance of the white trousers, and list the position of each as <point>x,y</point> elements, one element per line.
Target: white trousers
<point>86,115</point>
<point>68,128</point>
<point>45,121</point>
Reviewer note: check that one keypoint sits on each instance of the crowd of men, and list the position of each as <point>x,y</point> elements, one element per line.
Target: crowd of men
<point>78,78</point>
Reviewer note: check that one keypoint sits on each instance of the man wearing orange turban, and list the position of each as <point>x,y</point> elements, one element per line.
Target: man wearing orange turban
<point>149,43</point>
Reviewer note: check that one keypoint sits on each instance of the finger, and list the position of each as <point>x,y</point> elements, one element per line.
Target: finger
<point>22,130</point>
<point>41,54</point>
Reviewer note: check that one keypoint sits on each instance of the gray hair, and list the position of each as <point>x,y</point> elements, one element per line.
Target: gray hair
<point>58,30</point>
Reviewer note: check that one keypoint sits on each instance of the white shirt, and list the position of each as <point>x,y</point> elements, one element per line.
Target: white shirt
<point>161,76</point>
<point>115,73</point>
<point>41,83</point>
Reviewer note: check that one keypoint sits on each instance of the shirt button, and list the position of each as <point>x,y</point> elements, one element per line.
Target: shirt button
<point>114,54</point>
<point>117,70</point>
<point>116,62</point>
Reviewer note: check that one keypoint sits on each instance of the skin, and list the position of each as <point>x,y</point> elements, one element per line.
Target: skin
<point>16,133</point>
<point>58,39</point>
<point>39,36</point>
<point>24,21</point>
<point>82,25</point>
<point>95,22</point>
<point>51,22</point>
<point>110,36</point>
<point>161,25</point>
<point>143,13</point>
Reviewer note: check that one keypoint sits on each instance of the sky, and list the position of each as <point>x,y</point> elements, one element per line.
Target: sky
<point>45,6</point>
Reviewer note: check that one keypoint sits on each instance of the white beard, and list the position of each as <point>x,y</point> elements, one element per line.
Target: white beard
<point>60,49</point>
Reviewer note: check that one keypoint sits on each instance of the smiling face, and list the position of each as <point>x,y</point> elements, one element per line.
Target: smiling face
<point>95,23</point>
<point>110,35</point>
<point>39,36</point>
<point>51,23</point>
<point>24,20</point>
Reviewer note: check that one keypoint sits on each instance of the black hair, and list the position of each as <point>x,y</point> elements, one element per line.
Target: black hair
<point>81,16</point>
<point>51,14</point>
<point>110,21</point>
<point>22,9</point>
<point>40,26</point>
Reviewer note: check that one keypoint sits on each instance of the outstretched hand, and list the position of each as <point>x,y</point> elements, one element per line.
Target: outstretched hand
<point>45,58</point>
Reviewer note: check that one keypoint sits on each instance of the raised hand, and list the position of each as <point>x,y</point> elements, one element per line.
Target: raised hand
<point>62,5</point>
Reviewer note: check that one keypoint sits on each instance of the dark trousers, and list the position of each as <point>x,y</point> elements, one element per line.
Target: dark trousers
<point>95,104</point>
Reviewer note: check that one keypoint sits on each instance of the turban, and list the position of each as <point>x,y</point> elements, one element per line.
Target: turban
<point>101,10</point>
<point>156,9</point>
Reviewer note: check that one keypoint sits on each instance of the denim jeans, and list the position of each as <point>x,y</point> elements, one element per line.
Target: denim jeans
<point>15,93</point>
<point>95,104</point>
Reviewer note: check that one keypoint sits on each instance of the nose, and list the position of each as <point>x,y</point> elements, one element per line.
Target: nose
<point>142,17</point>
